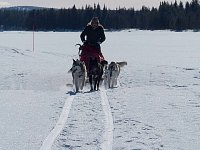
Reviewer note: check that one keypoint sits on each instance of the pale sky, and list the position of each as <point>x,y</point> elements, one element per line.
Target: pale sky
<point>137,4</point>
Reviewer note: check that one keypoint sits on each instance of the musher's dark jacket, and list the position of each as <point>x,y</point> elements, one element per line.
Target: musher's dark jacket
<point>93,35</point>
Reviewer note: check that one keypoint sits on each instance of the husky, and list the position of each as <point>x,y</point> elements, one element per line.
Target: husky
<point>112,72</point>
<point>95,73</point>
<point>79,74</point>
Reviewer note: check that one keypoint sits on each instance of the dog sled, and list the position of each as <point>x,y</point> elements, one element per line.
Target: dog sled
<point>88,66</point>
<point>92,66</point>
<point>86,52</point>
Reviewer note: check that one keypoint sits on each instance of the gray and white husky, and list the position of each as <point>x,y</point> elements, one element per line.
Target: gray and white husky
<point>112,72</point>
<point>79,74</point>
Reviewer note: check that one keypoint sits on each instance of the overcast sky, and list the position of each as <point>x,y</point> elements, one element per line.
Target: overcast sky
<point>137,4</point>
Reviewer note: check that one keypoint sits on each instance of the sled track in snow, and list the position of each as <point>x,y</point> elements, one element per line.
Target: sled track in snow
<point>49,141</point>
<point>108,124</point>
<point>108,134</point>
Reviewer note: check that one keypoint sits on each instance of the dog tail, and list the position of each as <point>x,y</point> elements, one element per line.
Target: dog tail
<point>122,64</point>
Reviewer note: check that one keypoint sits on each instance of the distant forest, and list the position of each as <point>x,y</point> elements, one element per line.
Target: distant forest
<point>173,16</point>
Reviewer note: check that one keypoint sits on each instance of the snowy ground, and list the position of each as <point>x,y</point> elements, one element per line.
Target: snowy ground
<point>155,106</point>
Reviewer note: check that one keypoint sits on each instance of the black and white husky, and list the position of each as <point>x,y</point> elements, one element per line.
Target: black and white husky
<point>111,73</point>
<point>79,74</point>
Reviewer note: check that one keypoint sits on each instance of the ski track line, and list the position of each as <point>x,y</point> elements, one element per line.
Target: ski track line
<point>108,134</point>
<point>48,142</point>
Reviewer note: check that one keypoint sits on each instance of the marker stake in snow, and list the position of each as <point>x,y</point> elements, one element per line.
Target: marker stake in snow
<point>33,39</point>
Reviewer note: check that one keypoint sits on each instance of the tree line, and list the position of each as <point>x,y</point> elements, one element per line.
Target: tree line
<point>173,16</point>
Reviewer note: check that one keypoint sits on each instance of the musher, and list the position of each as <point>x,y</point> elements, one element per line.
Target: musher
<point>94,33</point>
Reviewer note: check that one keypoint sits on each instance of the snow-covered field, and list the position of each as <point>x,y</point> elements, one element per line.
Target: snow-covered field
<point>156,105</point>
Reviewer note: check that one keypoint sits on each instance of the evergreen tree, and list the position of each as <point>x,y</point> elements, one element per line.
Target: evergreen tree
<point>172,16</point>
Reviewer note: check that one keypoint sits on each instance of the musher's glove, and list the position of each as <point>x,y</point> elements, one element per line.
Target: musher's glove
<point>99,43</point>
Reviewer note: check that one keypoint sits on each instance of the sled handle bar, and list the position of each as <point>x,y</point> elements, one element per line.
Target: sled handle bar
<point>79,52</point>
<point>78,45</point>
